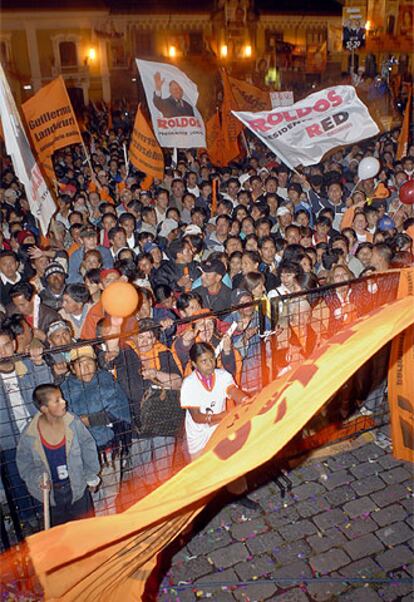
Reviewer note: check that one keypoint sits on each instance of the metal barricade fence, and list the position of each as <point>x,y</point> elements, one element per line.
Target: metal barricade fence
<point>126,390</point>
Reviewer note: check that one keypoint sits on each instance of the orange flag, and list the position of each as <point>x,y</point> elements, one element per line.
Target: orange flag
<point>144,151</point>
<point>110,558</point>
<point>51,122</point>
<point>223,129</point>
<point>405,129</point>
<point>249,97</point>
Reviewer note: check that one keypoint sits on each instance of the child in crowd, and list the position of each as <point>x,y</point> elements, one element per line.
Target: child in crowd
<point>58,444</point>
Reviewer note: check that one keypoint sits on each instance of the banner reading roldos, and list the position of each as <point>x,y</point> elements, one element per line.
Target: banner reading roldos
<point>305,131</point>
<point>172,99</point>
<point>51,122</point>
<point>144,151</point>
<point>26,169</point>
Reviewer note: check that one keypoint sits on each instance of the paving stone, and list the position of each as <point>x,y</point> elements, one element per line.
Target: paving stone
<point>308,490</point>
<point>340,496</point>
<point>395,558</point>
<point>330,539</point>
<point>337,479</point>
<point>311,507</point>
<point>290,552</point>
<point>358,527</point>
<point>183,595</point>
<point>279,518</point>
<point>311,472</point>
<point>409,569</point>
<point>248,529</point>
<point>327,591</point>
<point>260,566</point>
<point>297,530</point>
<point>363,546</point>
<point>366,469</point>
<point>330,519</point>
<point>368,452</point>
<point>362,594</point>
<point>229,556</point>
<point>256,592</point>
<point>389,495</point>
<point>389,515</point>
<point>202,543</point>
<point>396,533</point>
<point>408,504</point>
<point>395,591</point>
<point>192,569</point>
<point>341,461</point>
<point>223,579</point>
<point>396,475</point>
<point>264,543</point>
<point>368,485</point>
<point>291,574</point>
<point>359,507</point>
<point>389,461</point>
<point>365,568</point>
<point>293,595</point>
<point>329,561</point>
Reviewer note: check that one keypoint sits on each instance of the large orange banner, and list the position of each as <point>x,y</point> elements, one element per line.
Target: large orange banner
<point>249,97</point>
<point>144,151</point>
<point>51,122</point>
<point>110,558</point>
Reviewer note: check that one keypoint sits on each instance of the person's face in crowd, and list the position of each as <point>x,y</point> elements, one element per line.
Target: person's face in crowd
<point>358,197</point>
<point>84,369</point>
<point>251,245</point>
<point>7,348</point>
<point>71,306</point>
<point>292,236</point>
<point>256,186</point>
<point>400,178</point>
<point>248,265</point>
<point>75,235</point>
<point>188,202</point>
<point>23,306</point>
<point>8,267</point>
<point>293,195</point>
<point>364,255</point>
<point>258,291</point>
<point>60,337</point>
<point>243,198</point>
<point>126,196</point>
<point>268,252</point>
<point>109,279</point>
<point>94,199</point>
<point>340,244</point>
<point>113,166</point>
<point>108,222</point>
<point>56,282</point>
<point>302,220</point>
<point>55,406</point>
<point>178,189</point>
<point>234,244</point>
<point>193,308</point>
<point>322,230</point>
<point>306,264</point>
<point>89,242</point>
<point>246,312</point>
<point>408,166</point>
<point>222,228</point>
<point>186,255</point>
<point>288,279</point>
<point>241,213</point>
<point>210,279</point>
<point>372,219</point>
<point>247,227</point>
<point>40,264</point>
<point>340,274</point>
<point>145,266</point>
<point>192,180</point>
<point>162,201</point>
<point>335,193</point>
<point>206,191</point>
<point>285,220</point>
<point>360,222</point>
<point>351,238</point>
<point>368,186</point>
<point>282,179</point>
<point>235,265</point>
<point>205,329</point>
<point>272,203</point>
<point>120,240</point>
<point>156,255</point>
<point>235,228</point>
<point>74,218</point>
<point>150,218</point>
<point>91,261</point>
<point>80,205</point>
<point>271,186</point>
<point>204,172</point>
<point>93,287</point>
<point>205,364</point>
<point>232,189</point>
<point>197,219</point>
<point>145,341</point>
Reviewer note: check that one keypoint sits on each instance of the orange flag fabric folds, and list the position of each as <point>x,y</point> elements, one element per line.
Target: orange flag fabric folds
<point>144,151</point>
<point>248,97</point>
<point>51,122</point>
<point>402,147</point>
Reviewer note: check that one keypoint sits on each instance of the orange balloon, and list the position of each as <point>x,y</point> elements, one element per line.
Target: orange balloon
<point>120,299</point>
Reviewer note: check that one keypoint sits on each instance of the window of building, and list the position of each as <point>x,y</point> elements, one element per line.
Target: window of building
<point>271,38</point>
<point>68,55</point>
<point>144,43</point>
<point>196,43</point>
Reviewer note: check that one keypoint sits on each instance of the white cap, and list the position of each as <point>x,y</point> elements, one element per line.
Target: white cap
<point>167,226</point>
<point>282,211</point>
<point>192,229</point>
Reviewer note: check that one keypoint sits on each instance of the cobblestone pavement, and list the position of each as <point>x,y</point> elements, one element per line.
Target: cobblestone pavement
<point>345,532</point>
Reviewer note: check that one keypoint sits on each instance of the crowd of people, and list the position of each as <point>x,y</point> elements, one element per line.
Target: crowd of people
<point>203,263</point>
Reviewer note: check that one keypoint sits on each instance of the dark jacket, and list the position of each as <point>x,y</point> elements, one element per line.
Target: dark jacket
<point>170,107</point>
<point>170,272</point>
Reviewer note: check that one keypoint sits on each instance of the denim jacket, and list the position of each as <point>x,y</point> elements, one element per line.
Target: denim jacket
<point>81,458</point>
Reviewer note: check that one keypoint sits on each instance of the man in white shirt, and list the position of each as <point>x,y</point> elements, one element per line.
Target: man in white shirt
<point>9,275</point>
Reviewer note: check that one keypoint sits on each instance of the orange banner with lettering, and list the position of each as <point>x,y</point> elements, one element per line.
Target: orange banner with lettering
<point>249,97</point>
<point>111,558</point>
<point>144,151</point>
<point>51,122</point>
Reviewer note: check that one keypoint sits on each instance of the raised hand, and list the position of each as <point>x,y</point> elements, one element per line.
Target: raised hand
<point>158,82</point>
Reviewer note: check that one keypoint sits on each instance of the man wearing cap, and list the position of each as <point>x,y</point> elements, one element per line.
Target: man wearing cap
<point>89,242</point>
<point>284,219</point>
<point>59,334</point>
<point>180,271</point>
<point>53,285</point>
<point>215,295</point>
<point>25,301</point>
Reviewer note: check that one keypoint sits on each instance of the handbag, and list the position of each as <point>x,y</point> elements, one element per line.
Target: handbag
<point>161,413</point>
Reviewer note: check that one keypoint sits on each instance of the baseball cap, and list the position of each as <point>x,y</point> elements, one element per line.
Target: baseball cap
<point>22,235</point>
<point>168,226</point>
<point>87,231</point>
<point>56,326</point>
<point>150,246</point>
<point>192,229</point>
<point>282,211</point>
<point>54,268</point>
<point>213,265</point>
<point>385,223</point>
<point>238,294</point>
<point>79,352</point>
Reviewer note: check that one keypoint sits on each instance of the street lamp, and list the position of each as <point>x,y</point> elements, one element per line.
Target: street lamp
<point>224,51</point>
<point>172,52</point>
<point>248,51</point>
